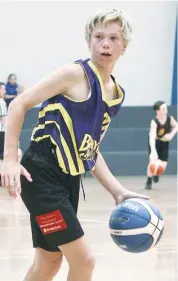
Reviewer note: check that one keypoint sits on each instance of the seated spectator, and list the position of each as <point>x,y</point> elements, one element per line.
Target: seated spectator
<point>12,88</point>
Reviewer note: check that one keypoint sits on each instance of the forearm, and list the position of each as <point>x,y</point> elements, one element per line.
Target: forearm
<point>174,132</point>
<point>169,136</point>
<point>152,142</point>
<point>14,122</point>
<point>106,178</point>
<point>10,96</point>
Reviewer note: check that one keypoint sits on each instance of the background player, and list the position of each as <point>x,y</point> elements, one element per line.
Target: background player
<point>162,130</point>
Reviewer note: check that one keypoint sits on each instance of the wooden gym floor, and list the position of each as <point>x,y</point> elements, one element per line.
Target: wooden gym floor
<point>16,252</point>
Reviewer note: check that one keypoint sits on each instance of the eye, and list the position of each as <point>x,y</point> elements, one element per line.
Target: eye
<point>98,36</point>
<point>113,38</point>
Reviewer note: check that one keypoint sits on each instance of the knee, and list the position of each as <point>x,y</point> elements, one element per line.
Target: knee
<point>87,264</point>
<point>46,268</point>
<point>90,263</point>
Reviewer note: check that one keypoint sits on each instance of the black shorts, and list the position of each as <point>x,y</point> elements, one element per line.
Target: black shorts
<point>162,149</point>
<point>2,134</point>
<point>52,199</point>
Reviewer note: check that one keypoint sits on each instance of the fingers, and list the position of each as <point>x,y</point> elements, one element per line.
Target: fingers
<point>18,184</point>
<point>9,184</point>
<point>137,195</point>
<point>25,173</point>
<point>145,197</point>
<point>11,178</point>
<point>12,184</point>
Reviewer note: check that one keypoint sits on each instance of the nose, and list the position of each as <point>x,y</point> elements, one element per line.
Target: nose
<point>106,44</point>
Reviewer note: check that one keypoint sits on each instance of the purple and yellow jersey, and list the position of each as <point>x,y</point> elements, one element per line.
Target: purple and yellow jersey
<point>74,129</point>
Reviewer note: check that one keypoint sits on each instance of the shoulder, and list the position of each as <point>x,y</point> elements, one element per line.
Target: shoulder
<point>73,71</point>
<point>121,91</point>
<point>172,120</point>
<point>118,85</point>
<point>153,123</point>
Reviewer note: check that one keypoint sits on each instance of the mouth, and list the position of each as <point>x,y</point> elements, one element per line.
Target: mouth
<point>105,54</point>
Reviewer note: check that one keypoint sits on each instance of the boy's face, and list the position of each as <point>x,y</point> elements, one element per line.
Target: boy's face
<point>106,44</point>
<point>2,91</point>
<point>163,111</point>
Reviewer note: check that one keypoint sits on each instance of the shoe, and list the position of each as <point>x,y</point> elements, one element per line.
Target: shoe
<point>156,179</point>
<point>148,184</point>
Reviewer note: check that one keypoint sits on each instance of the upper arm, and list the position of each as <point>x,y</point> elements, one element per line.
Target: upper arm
<point>60,81</point>
<point>153,128</point>
<point>174,123</point>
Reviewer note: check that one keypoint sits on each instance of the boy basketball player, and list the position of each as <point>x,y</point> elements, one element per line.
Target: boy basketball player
<point>79,101</point>
<point>162,130</point>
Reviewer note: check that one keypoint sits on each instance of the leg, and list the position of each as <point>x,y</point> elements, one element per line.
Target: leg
<point>78,253</point>
<point>53,217</point>
<point>163,156</point>
<point>80,259</point>
<point>0,170</point>
<point>148,184</point>
<point>45,266</point>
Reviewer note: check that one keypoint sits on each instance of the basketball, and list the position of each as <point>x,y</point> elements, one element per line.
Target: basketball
<point>156,168</point>
<point>136,225</point>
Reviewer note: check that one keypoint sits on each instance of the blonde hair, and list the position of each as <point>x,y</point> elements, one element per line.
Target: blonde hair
<point>110,17</point>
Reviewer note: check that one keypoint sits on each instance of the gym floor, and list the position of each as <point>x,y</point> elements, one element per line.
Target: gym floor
<point>159,263</point>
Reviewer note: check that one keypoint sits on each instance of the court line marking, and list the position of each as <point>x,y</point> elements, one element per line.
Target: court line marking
<point>27,215</point>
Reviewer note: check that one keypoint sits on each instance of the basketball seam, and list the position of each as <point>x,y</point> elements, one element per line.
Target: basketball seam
<point>142,203</point>
<point>141,218</point>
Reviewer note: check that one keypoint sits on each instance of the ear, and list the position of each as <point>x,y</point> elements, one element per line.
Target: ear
<point>123,49</point>
<point>89,44</point>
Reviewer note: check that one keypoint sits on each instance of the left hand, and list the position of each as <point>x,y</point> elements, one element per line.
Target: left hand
<point>129,194</point>
<point>167,137</point>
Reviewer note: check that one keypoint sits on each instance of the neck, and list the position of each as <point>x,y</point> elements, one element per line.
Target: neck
<point>105,72</point>
<point>161,117</point>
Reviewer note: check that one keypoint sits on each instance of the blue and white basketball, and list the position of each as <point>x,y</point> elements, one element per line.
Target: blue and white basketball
<point>136,225</point>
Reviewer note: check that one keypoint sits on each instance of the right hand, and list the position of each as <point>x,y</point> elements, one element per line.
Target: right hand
<point>153,156</point>
<point>10,177</point>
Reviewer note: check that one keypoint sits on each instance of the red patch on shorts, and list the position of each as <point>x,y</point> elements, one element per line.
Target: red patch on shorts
<point>51,222</point>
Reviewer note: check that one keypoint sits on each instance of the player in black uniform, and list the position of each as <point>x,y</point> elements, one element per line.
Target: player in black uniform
<point>162,130</point>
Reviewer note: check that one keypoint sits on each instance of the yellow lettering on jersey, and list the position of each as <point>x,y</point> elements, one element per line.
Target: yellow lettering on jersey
<point>85,143</point>
<point>161,132</point>
<point>88,148</point>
